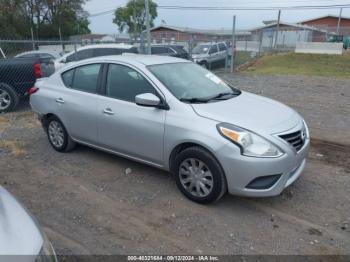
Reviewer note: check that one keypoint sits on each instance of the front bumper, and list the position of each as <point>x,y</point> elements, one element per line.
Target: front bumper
<point>241,170</point>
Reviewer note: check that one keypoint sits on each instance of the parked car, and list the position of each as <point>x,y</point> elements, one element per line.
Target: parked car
<point>97,50</point>
<point>17,76</point>
<point>39,54</point>
<point>210,54</point>
<point>175,115</point>
<point>170,50</point>
<point>21,237</point>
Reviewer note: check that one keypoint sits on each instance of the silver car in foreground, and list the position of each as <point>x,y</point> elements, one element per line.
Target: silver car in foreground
<point>21,238</point>
<point>175,115</point>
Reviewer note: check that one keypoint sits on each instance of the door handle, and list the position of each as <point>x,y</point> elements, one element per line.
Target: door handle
<point>108,111</point>
<point>60,100</point>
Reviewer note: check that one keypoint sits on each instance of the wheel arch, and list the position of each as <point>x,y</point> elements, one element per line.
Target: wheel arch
<point>184,145</point>
<point>46,116</point>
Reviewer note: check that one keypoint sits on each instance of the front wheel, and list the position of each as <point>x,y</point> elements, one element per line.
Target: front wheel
<point>58,136</point>
<point>199,176</point>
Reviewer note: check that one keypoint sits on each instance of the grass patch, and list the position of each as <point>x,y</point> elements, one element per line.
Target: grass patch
<point>14,147</point>
<point>4,122</point>
<point>242,57</point>
<point>303,64</point>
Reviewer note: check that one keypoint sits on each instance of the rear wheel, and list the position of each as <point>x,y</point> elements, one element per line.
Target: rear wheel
<point>58,136</point>
<point>8,98</point>
<point>199,176</point>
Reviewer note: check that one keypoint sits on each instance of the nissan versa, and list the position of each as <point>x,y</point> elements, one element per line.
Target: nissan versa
<point>21,238</point>
<point>173,114</point>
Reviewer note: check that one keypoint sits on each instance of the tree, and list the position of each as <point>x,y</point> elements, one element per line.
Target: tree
<point>132,17</point>
<point>45,17</point>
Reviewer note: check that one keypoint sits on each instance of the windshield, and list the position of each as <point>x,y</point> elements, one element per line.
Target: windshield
<point>190,82</point>
<point>201,49</point>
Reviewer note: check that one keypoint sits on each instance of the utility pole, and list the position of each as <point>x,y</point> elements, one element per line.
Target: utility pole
<point>277,27</point>
<point>134,20</point>
<point>32,33</point>
<point>233,43</point>
<point>148,28</point>
<point>60,34</point>
<point>341,10</point>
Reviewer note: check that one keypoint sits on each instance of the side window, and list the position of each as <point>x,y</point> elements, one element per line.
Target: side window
<point>125,83</point>
<point>67,77</point>
<point>213,49</point>
<point>85,78</point>
<point>222,47</point>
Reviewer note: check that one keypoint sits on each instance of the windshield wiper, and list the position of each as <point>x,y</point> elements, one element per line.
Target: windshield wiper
<point>221,95</point>
<point>194,100</point>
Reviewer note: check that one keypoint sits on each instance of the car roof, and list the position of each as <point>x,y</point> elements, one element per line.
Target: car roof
<point>212,43</point>
<point>166,45</point>
<point>120,45</point>
<point>39,52</point>
<point>135,59</point>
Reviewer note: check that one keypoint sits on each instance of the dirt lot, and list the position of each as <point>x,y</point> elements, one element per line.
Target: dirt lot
<point>89,205</point>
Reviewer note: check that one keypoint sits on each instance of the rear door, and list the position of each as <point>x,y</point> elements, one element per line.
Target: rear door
<point>124,126</point>
<point>77,103</point>
<point>222,50</point>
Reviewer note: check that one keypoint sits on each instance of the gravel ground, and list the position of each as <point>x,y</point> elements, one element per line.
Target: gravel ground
<point>89,204</point>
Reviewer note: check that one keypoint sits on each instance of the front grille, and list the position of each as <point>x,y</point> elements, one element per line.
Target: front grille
<point>295,139</point>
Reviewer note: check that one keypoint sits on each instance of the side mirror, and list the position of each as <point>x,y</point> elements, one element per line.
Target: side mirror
<point>63,60</point>
<point>147,99</point>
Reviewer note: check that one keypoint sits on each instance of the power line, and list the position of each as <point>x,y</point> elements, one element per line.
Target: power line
<point>242,8</point>
<point>221,8</point>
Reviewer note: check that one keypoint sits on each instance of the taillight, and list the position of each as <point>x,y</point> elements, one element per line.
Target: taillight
<point>32,90</point>
<point>37,70</point>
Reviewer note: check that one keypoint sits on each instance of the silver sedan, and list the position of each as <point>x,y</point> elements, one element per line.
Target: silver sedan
<point>175,115</point>
<point>21,238</point>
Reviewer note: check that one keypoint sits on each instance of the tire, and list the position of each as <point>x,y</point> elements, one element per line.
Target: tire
<point>58,136</point>
<point>196,156</point>
<point>8,98</point>
<point>204,64</point>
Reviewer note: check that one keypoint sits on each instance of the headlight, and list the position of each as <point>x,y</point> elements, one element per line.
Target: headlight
<point>250,143</point>
<point>306,130</point>
<point>47,253</point>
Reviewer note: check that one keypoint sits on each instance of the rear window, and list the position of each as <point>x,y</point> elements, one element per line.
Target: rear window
<point>159,50</point>
<point>113,51</point>
<point>80,55</point>
<point>179,49</point>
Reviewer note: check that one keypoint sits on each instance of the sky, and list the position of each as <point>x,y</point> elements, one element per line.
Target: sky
<point>213,19</point>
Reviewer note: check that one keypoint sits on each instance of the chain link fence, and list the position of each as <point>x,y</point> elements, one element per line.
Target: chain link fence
<point>213,49</point>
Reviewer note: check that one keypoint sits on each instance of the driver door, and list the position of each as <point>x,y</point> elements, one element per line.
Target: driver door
<point>124,126</point>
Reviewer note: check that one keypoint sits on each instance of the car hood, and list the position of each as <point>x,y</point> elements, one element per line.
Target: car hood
<point>19,233</point>
<point>252,112</point>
